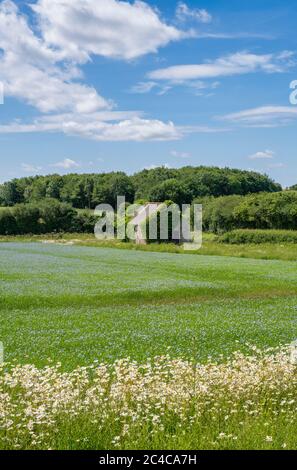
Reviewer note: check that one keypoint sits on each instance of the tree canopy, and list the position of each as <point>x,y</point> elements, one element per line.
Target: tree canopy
<point>179,185</point>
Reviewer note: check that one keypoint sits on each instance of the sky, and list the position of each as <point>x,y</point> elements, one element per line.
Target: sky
<point>104,85</point>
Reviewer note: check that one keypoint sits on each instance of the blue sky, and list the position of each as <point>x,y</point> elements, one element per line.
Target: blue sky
<point>101,85</point>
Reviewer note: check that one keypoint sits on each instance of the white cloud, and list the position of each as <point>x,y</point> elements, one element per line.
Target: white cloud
<point>266,154</point>
<point>143,87</point>
<point>147,87</point>
<point>42,71</point>
<point>264,116</point>
<point>240,35</point>
<point>29,70</point>
<point>198,87</point>
<point>135,129</point>
<point>202,129</point>
<point>28,168</point>
<point>66,164</point>
<point>176,153</point>
<point>37,70</point>
<point>183,13</point>
<point>234,64</point>
<point>94,127</point>
<point>108,126</point>
<point>109,28</point>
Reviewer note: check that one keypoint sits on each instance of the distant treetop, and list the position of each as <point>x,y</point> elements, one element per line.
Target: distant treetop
<point>181,185</point>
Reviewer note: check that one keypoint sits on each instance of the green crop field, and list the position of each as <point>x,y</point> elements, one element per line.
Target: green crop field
<point>76,305</point>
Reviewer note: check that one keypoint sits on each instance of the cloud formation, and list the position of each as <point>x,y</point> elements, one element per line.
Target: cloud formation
<point>29,69</point>
<point>263,116</point>
<point>234,64</point>
<point>66,164</point>
<point>266,154</point>
<point>183,13</point>
<point>43,69</point>
<point>109,28</point>
<point>91,127</point>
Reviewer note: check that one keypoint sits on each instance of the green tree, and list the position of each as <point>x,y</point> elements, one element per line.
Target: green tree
<point>172,190</point>
<point>10,193</point>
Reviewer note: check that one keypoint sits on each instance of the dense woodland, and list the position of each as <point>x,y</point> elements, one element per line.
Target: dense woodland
<point>179,185</point>
<point>231,198</point>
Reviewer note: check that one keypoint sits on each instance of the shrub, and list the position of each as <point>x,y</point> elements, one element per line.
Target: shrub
<point>275,211</point>
<point>55,216</point>
<point>244,236</point>
<point>27,218</point>
<point>255,211</point>
<point>7,223</point>
<point>83,222</point>
<point>47,216</point>
<point>218,213</point>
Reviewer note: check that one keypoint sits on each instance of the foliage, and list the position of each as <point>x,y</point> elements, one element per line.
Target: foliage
<point>242,236</point>
<point>49,215</point>
<point>201,181</point>
<point>180,185</point>
<point>171,189</point>
<point>254,211</point>
<point>277,211</point>
<point>293,188</point>
<point>218,213</point>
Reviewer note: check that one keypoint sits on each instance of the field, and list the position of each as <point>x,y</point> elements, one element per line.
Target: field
<point>76,305</point>
<point>212,245</point>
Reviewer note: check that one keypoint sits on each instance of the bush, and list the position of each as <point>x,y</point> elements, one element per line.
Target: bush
<point>56,217</point>
<point>238,237</point>
<point>7,223</point>
<point>83,222</point>
<point>47,216</point>
<point>255,211</point>
<point>27,218</point>
<point>275,211</point>
<point>218,213</point>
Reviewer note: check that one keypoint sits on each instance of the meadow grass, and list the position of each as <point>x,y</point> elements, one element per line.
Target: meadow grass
<point>77,304</point>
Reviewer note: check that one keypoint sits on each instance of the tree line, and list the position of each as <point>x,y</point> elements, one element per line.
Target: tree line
<point>253,211</point>
<point>46,216</point>
<point>220,214</point>
<point>159,184</point>
<point>232,199</point>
